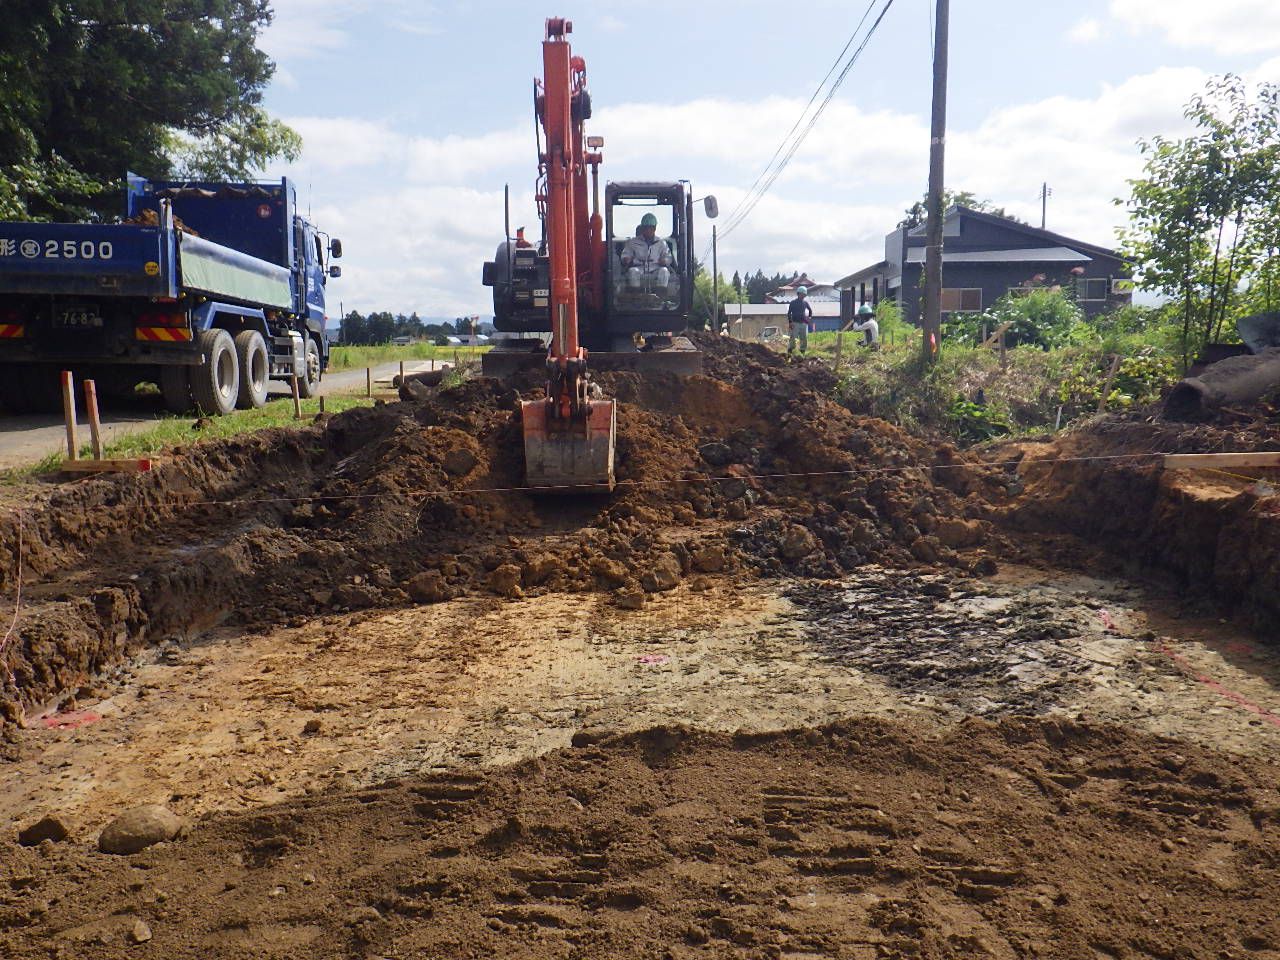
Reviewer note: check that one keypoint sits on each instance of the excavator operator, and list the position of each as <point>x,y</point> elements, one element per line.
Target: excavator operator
<point>646,256</point>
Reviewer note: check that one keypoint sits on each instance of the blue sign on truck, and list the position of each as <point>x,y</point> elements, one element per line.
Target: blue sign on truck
<point>209,290</point>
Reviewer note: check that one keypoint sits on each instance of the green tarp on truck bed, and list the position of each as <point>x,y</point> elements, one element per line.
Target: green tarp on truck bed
<point>227,274</point>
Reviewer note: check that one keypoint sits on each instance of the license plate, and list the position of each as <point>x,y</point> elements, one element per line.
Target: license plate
<point>79,318</point>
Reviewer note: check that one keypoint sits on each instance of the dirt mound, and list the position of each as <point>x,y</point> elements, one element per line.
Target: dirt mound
<point>748,473</point>
<point>862,839</point>
<point>1216,532</point>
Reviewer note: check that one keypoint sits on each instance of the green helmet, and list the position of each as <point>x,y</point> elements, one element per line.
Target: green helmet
<point>649,220</point>
<point>802,291</point>
<point>866,310</point>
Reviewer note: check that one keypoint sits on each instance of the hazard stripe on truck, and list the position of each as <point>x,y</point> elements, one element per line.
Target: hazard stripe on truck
<point>162,334</point>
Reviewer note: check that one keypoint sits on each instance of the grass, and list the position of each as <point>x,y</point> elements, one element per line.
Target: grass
<point>355,358</point>
<point>1037,391</point>
<point>173,432</point>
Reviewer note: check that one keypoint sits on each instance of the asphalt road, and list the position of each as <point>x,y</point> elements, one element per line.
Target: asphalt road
<point>26,439</point>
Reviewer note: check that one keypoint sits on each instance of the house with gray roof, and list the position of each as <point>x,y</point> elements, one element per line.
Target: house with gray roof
<point>985,257</point>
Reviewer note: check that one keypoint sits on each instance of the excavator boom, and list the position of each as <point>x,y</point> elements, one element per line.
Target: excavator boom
<point>570,435</point>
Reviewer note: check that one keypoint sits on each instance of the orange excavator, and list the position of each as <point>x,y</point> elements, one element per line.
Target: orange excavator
<point>618,282</point>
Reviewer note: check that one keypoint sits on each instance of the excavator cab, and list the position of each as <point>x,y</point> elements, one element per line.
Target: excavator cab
<point>649,263</point>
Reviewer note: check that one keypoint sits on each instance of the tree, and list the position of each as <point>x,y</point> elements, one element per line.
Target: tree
<point>1205,218</point>
<point>354,328</point>
<point>737,283</point>
<point>918,213</point>
<point>700,313</point>
<point>95,87</point>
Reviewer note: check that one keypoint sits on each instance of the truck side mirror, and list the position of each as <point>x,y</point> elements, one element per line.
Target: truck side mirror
<point>711,207</point>
<point>335,271</point>
<point>335,249</point>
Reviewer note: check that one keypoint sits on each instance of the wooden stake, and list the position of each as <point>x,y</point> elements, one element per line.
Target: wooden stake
<point>95,426</point>
<point>322,403</point>
<point>368,381</point>
<point>1111,378</point>
<point>297,402</point>
<point>1004,353</point>
<point>69,412</point>
<point>402,373</point>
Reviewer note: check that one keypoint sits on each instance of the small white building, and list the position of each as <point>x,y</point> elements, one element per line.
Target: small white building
<point>749,321</point>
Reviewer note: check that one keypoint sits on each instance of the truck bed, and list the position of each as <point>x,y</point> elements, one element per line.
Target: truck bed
<point>125,260</point>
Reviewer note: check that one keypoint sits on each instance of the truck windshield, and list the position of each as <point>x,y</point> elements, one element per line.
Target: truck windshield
<point>644,247</point>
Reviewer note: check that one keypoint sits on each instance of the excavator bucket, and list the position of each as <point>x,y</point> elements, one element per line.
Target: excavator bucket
<point>574,456</point>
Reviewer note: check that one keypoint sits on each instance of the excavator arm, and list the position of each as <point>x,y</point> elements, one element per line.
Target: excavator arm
<point>570,435</point>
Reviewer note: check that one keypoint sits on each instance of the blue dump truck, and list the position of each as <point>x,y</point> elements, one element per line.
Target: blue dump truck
<point>208,290</point>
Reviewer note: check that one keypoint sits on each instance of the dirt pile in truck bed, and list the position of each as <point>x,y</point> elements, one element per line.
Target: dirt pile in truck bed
<point>863,839</point>
<point>1216,531</point>
<point>751,471</point>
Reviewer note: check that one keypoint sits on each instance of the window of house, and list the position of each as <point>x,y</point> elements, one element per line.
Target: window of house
<point>961,299</point>
<point>1091,288</point>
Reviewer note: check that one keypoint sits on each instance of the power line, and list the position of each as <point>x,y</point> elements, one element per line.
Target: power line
<point>770,176</point>
<point>834,66</point>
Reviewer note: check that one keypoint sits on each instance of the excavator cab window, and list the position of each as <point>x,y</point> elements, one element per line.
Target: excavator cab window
<point>646,270</point>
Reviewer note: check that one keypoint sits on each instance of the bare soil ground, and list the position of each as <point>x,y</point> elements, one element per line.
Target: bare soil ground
<point>774,698</point>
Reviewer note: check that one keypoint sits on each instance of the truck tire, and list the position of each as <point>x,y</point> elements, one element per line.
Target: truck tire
<point>255,369</point>
<point>216,384</point>
<point>175,388</point>
<point>309,385</point>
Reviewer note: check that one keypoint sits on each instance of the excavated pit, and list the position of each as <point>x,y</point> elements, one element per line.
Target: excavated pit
<point>751,473</point>
<point>1214,534</point>
<point>773,698</point>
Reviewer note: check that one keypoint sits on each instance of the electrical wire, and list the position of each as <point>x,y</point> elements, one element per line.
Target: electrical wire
<point>817,90</point>
<point>775,167</point>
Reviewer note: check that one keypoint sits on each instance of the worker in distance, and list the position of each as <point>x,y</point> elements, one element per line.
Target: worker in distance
<point>799,319</point>
<point>868,326</point>
<point>646,256</point>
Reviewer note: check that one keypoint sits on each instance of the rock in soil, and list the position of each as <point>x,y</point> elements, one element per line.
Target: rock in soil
<point>46,828</point>
<point>139,828</point>
<point>664,575</point>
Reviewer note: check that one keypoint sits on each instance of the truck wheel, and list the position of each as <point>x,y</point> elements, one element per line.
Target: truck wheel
<point>309,385</point>
<point>255,369</point>
<point>175,388</point>
<point>215,385</point>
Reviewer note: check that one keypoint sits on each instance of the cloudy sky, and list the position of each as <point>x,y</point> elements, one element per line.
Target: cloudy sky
<point>415,115</point>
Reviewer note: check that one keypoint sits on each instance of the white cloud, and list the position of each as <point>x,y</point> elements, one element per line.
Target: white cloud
<point>1226,26</point>
<point>306,28</point>
<point>310,28</point>
<point>419,215</point>
<point>1086,31</point>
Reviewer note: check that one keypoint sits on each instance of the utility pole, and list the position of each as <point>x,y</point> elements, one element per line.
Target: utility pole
<point>715,285</point>
<point>932,326</point>
<point>1045,194</point>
